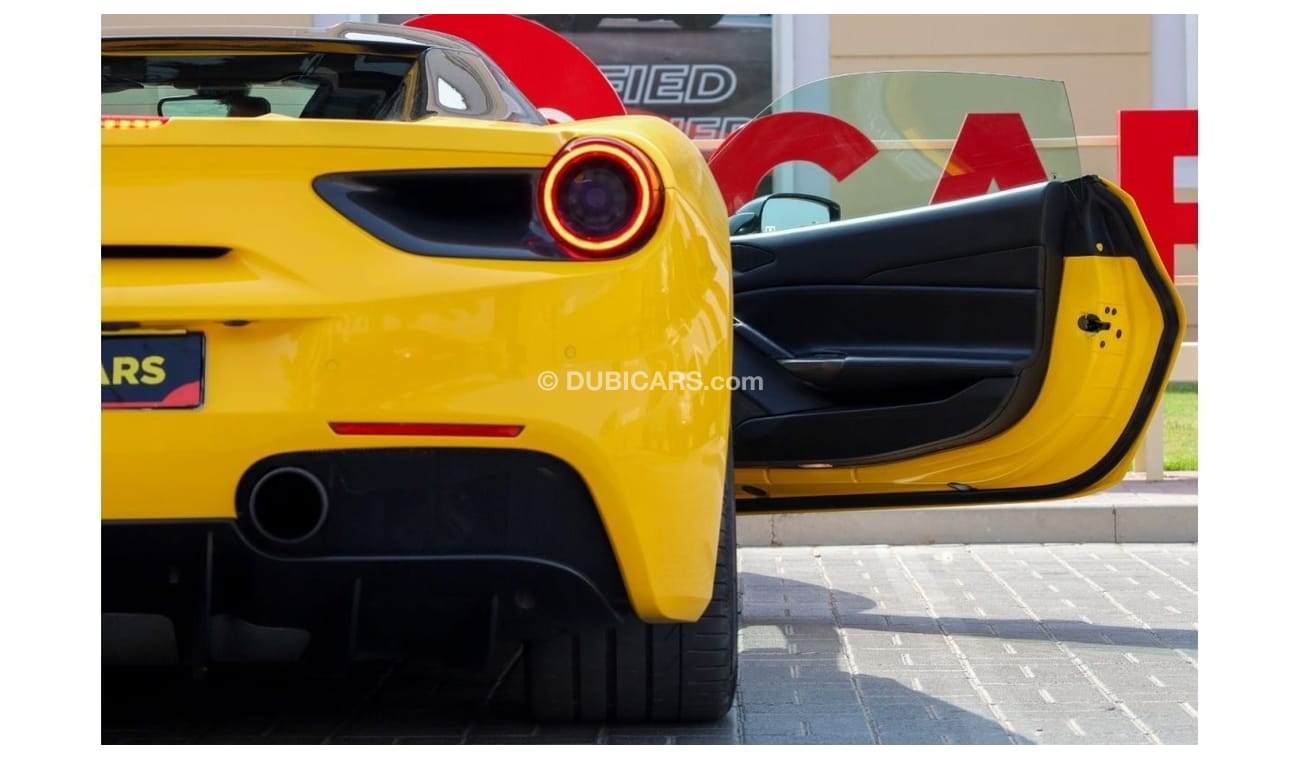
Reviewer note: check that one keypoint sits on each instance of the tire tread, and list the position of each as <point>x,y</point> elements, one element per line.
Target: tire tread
<point>639,672</point>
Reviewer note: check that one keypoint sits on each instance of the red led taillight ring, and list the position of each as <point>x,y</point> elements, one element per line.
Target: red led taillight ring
<point>640,172</point>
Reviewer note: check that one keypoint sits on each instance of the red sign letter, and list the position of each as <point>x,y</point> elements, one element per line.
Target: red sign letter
<point>1148,143</point>
<point>749,153</point>
<point>991,147</point>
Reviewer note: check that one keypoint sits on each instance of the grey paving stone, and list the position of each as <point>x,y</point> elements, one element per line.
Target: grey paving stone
<point>1179,737</point>
<point>1044,694</point>
<point>943,685</point>
<point>1028,674</point>
<point>1065,736</point>
<point>936,658</point>
<point>816,739</point>
<point>817,630</point>
<point>925,710</point>
<point>817,671</point>
<point>814,648</point>
<point>1143,681</point>
<point>825,698</point>
<point>877,660</point>
<point>803,723</point>
<point>1104,725</point>
<point>1165,717</point>
<point>992,649</point>
<point>943,732</point>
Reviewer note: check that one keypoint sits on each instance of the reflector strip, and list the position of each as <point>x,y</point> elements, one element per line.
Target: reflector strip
<point>131,122</point>
<point>426,428</point>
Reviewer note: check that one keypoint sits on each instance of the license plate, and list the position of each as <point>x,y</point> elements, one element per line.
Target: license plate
<point>151,371</point>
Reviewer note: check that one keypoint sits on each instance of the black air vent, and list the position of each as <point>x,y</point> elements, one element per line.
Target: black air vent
<point>487,213</point>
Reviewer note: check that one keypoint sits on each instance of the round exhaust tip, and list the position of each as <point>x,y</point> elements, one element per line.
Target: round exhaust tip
<point>288,505</point>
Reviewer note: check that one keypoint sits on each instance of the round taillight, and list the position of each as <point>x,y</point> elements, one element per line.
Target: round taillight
<point>600,198</point>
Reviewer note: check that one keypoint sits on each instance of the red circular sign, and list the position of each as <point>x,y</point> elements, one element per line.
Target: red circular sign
<point>551,71</point>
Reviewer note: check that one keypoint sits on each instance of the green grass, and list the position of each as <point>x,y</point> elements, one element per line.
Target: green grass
<point>1180,426</point>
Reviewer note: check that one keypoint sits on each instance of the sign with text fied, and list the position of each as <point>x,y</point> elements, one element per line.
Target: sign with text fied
<point>707,75</point>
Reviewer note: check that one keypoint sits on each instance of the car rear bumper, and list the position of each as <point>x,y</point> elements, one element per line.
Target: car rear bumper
<point>309,321</point>
<point>415,545</point>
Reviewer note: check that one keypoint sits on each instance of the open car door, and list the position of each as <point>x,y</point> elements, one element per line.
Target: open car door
<point>1008,345</point>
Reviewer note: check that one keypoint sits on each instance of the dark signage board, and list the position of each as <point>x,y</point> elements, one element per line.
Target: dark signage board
<point>707,74</point>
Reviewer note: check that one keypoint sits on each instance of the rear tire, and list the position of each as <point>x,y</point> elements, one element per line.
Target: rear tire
<point>641,672</point>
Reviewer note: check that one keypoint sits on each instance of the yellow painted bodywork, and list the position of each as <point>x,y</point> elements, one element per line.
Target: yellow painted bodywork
<point>337,326</point>
<point>1088,396</point>
<point>342,327</point>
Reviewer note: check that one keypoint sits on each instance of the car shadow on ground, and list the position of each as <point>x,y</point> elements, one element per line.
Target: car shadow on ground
<point>799,685</point>
<point>767,599</point>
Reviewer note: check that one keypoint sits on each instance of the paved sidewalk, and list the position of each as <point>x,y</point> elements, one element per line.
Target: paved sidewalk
<point>970,645</point>
<point>1134,511</point>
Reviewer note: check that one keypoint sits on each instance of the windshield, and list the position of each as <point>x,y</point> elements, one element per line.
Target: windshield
<point>880,142</point>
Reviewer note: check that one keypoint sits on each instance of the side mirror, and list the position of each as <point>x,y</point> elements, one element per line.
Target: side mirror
<point>743,222</point>
<point>783,211</point>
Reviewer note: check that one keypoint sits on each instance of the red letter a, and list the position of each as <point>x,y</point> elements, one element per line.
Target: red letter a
<point>991,147</point>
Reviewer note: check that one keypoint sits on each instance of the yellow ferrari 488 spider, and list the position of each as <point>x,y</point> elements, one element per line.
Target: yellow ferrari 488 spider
<point>388,360</point>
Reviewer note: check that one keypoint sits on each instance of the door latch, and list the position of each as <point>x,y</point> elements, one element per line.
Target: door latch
<point>1092,323</point>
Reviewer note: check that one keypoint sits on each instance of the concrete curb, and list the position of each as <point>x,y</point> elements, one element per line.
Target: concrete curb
<point>1135,511</point>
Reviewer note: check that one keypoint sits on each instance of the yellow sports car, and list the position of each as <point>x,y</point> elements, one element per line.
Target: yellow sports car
<point>390,362</point>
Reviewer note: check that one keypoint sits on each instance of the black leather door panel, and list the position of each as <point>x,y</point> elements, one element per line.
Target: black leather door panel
<point>899,321</point>
<point>854,251</point>
<point>865,434</point>
<point>882,337</point>
<point>1015,268</point>
<point>879,375</point>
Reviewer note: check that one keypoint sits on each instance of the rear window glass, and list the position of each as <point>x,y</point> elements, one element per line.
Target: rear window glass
<point>298,84</point>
